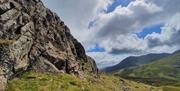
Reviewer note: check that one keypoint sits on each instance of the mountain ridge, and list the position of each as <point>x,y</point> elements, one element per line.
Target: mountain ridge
<point>164,71</point>
<point>134,61</point>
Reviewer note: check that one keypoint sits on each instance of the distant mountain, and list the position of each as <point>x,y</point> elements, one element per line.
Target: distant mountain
<point>135,61</point>
<point>165,70</point>
<point>178,51</point>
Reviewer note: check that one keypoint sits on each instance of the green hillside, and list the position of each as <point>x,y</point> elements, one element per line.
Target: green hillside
<point>33,81</point>
<point>135,61</point>
<point>162,72</point>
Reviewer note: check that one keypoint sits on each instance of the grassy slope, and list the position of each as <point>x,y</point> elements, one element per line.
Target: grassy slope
<point>166,69</point>
<point>134,61</point>
<point>170,88</point>
<point>33,81</point>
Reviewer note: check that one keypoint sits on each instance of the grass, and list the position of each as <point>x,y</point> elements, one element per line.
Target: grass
<point>34,81</point>
<point>170,88</point>
<point>156,73</point>
<point>37,81</point>
<point>6,42</point>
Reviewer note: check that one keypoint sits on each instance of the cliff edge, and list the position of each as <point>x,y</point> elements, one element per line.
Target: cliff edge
<point>34,38</point>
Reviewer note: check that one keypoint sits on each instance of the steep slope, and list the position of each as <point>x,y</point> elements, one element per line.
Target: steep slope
<point>163,71</point>
<point>135,61</point>
<point>34,38</point>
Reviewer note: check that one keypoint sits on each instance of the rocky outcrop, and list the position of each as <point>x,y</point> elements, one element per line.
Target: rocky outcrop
<point>34,38</point>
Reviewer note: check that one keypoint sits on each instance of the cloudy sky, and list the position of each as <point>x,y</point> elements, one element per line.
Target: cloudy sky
<point>111,30</point>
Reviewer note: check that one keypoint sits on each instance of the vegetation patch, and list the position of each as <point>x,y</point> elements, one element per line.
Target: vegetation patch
<point>36,81</point>
<point>6,42</point>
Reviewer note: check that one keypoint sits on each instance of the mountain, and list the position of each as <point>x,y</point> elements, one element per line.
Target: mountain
<point>38,53</point>
<point>134,61</point>
<point>163,71</point>
<point>178,51</point>
<point>34,38</point>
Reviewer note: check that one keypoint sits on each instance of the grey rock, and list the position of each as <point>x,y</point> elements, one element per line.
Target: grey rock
<point>34,38</point>
<point>4,7</point>
<point>3,79</point>
<point>8,15</point>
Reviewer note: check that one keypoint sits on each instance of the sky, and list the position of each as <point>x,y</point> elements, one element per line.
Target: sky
<point>111,30</point>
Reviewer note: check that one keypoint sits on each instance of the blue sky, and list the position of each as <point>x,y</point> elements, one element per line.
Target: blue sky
<point>150,30</point>
<point>116,3</point>
<point>97,48</point>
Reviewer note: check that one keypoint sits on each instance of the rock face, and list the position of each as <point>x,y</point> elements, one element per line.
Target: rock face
<point>34,38</point>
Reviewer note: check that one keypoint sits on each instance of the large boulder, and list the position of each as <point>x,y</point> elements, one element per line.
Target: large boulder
<point>34,38</point>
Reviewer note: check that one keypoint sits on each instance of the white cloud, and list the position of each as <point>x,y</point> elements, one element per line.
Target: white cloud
<point>123,20</point>
<point>77,14</point>
<point>104,59</point>
<point>169,39</point>
<point>115,31</point>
